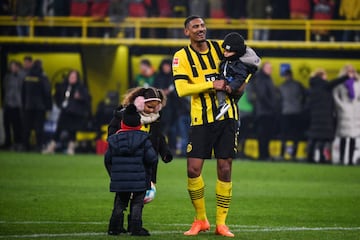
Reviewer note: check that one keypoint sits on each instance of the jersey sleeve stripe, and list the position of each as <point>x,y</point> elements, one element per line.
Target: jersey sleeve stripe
<point>181,77</point>
<point>191,62</point>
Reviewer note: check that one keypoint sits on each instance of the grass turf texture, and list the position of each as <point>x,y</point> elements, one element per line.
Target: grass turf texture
<point>62,197</point>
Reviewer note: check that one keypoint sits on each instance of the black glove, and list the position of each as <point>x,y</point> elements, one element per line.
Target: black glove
<point>118,112</point>
<point>168,157</point>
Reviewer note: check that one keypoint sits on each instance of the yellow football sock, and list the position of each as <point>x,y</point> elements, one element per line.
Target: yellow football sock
<point>223,199</point>
<point>196,188</point>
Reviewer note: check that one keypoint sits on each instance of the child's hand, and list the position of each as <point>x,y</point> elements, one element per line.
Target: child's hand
<point>168,157</point>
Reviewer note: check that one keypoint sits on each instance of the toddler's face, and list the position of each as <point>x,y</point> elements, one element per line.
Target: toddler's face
<point>228,54</point>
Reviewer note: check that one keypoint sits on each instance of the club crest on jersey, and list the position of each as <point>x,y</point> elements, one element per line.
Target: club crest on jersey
<point>175,62</point>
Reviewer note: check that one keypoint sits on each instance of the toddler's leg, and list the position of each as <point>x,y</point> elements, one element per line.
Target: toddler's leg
<point>221,97</point>
<point>223,106</point>
<point>116,224</point>
<point>137,205</point>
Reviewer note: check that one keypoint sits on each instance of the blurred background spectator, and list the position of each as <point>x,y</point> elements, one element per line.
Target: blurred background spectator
<point>266,106</point>
<point>118,10</point>
<point>36,100</point>
<point>13,82</point>
<point>164,81</point>
<point>27,64</point>
<point>300,9</point>
<point>58,8</point>
<point>104,112</point>
<point>6,9</point>
<point>180,8</point>
<point>216,9</point>
<point>350,10</point>
<point>322,10</point>
<point>347,105</point>
<point>260,9</point>
<point>322,116</point>
<point>235,9</point>
<point>199,8</point>
<point>24,9</point>
<point>292,107</point>
<point>147,74</point>
<point>73,98</point>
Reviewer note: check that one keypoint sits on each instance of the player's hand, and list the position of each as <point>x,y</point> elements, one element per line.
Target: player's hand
<point>219,85</point>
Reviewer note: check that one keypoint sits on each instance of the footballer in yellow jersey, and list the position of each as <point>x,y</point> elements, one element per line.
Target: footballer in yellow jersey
<point>196,74</point>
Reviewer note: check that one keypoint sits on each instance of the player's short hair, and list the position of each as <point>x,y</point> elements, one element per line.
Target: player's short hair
<point>189,19</point>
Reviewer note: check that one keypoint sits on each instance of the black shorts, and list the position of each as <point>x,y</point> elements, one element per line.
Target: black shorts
<point>219,136</point>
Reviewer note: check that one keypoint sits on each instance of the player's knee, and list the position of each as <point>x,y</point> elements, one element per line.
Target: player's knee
<point>224,172</point>
<point>193,171</point>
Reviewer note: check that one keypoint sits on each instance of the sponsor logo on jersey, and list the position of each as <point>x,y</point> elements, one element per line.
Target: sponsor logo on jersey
<point>175,62</point>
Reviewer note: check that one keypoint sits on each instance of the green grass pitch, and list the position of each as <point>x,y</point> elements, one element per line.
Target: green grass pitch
<point>67,197</point>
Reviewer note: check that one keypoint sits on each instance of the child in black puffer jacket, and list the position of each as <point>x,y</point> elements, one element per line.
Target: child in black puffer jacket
<point>239,63</point>
<point>132,158</point>
<point>148,102</point>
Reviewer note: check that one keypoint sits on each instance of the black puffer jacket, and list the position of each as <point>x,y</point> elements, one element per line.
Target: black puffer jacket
<point>235,72</point>
<point>157,138</point>
<point>321,108</point>
<point>36,90</point>
<point>132,157</point>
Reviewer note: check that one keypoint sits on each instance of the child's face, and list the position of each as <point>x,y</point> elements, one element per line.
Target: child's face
<point>228,53</point>
<point>151,107</point>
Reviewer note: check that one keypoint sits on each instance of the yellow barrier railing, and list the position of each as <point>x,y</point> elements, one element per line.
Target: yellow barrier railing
<point>305,27</point>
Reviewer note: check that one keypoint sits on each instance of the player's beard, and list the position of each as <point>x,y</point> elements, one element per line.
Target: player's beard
<point>201,41</point>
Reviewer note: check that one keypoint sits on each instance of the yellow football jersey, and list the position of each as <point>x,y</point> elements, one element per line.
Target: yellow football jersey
<point>194,73</point>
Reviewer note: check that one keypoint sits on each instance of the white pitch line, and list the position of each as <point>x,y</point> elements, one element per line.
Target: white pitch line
<point>279,229</point>
<point>53,235</point>
<point>105,223</point>
<point>51,222</point>
<point>180,225</point>
<point>291,229</point>
<point>235,228</point>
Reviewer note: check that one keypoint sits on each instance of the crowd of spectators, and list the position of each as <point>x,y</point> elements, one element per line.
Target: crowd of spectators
<point>29,105</point>
<point>118,10</point>
<point>326,115</point>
